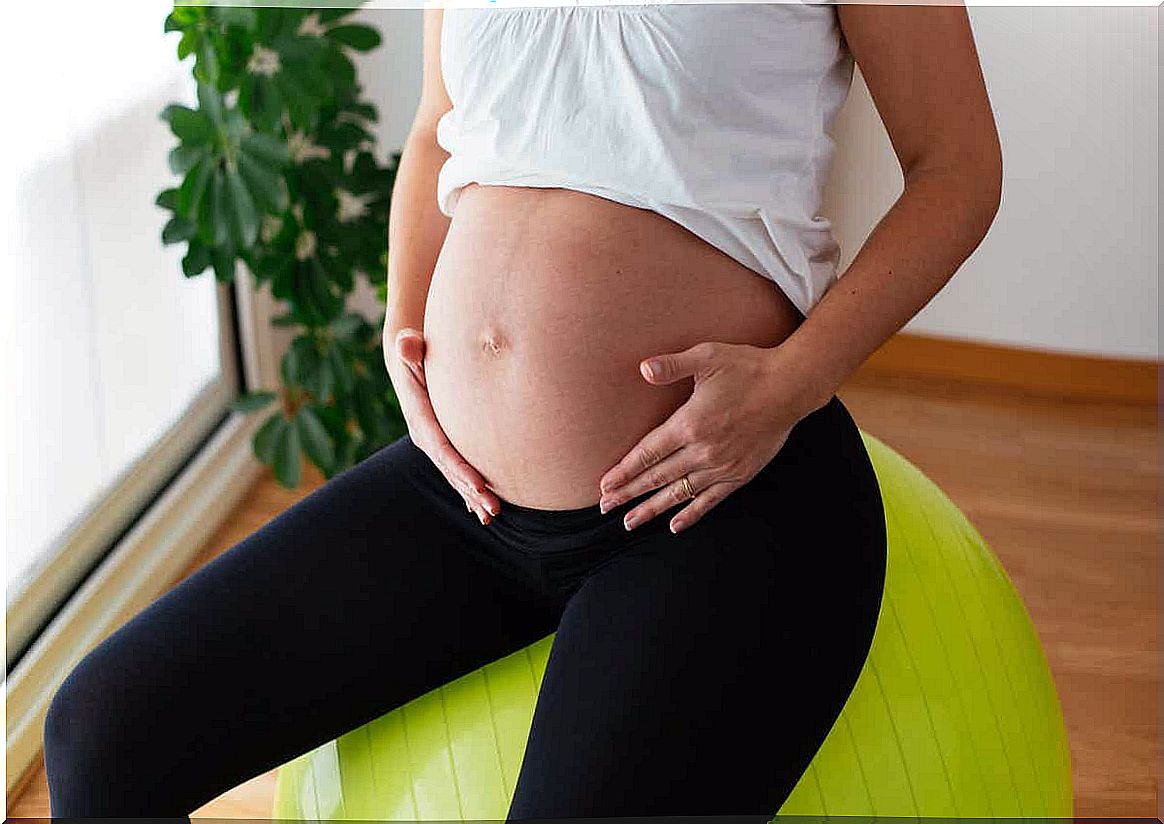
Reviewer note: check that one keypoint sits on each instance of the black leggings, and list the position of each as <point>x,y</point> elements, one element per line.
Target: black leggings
<point>692,674</point>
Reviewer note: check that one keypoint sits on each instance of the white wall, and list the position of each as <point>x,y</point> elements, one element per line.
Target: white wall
<point>391,74</point>
<point>1072,262</point>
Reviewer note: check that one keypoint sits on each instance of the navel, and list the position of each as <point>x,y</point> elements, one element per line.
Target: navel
<point>493,343</point>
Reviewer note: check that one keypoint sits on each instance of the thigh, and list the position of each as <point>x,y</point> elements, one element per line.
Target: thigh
<point>364,595</point>
<point>698,674</point>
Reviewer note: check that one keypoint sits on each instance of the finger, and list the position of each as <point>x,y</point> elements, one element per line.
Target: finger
<point>673,467</point>
<point>410,346</point>
<point>466,493</point>
<point>663,369</point>
<point>464,477</point>
<point>671,495</point>
<point>699,506</point>
<point>454,465</point>
<point>655,446</point>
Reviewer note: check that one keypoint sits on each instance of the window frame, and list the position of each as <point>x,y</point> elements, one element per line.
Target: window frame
<point>95,531</point>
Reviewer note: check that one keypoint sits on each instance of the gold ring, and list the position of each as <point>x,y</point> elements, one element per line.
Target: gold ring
<point>687,487</point>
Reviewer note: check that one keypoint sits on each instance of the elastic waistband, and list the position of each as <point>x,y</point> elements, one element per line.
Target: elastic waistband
<point>533,529</point>
<point>558,530</point>
<point>559,520</point>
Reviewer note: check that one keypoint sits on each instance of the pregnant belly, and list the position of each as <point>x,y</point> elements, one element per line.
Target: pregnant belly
<point>543,303</point>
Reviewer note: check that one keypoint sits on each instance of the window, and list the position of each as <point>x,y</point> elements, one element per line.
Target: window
<point>119,366</point>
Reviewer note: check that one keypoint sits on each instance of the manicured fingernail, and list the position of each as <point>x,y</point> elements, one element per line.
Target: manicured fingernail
<point>651,369</point>
<point>604,505</point>
<point>483,517</point>
<point>630,521</point>
<point>493,508</point>
<point>677,525</point>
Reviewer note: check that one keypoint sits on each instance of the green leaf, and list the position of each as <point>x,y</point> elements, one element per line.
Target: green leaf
<point>196,260</point>
<point>341,72</point>
<point>331,15</point>
<point>185,157</point>
<point>265,149</point>
<point>182,17</point>
<point>222,259</point>
<point>235,125</point>
<point>309,357</point>
<point>218,216</point>
<point>316,440</point>
<point>252,401</point>
<point>364,110</point>
<point>193,189</point>
<point>267,438</point>
<point>210,103</point>
<point>188,125</point>
<point>341,372</point>
<point>268,187</point>
<point>244,218</point>
<point>168,199</point>
<point>206,67</point>
<point>369,413</point>
<point>347,453</point>
<point>241,16</point>
<point>188,43</point>
<point>360,38</point>
<point>259,99</point>
<point>289,365</point>
<point>347,325</point>
<point>317,377</point>
<point>287,457</point>
<point>323,297</point>
<point>301,98</point>
<point>178,229</point>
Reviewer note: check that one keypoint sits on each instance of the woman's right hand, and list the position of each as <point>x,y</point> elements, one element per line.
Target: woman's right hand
<point>406,369</point>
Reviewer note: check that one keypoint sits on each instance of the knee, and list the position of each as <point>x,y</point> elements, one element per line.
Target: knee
<point>80,736</point>
<point>67,723</point>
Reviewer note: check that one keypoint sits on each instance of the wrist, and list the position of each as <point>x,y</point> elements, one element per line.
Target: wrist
<point>801,377</point>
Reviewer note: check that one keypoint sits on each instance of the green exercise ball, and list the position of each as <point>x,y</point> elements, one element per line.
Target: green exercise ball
<point>954,713</point>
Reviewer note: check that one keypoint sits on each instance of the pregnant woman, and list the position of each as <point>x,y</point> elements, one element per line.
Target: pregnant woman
<point>616,327</point>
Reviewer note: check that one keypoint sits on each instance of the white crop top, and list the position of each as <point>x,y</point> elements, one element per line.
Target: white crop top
<point>714,115</point>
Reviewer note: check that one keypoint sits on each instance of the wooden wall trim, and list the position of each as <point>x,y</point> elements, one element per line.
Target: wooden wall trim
<point>1029,370</point>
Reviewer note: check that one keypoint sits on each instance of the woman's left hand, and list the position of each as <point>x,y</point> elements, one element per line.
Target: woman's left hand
<point>745,402</point>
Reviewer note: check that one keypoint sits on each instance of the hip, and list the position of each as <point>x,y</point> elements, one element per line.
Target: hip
<point>815,505</point>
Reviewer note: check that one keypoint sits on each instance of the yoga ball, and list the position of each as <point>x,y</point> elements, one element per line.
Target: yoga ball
<point>954,713</point>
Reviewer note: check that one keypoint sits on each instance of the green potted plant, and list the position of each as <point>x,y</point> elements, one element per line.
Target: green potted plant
<point>278,171</point>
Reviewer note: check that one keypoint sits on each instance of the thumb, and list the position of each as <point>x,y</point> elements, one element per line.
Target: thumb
<point>410,346</point>
<point>663,369</point>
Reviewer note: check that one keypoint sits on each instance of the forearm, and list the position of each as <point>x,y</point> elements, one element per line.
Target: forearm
<point>416,232</point>
<point>914,250</point>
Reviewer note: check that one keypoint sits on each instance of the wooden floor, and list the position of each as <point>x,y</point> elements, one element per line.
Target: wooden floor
<point>1064,491</point>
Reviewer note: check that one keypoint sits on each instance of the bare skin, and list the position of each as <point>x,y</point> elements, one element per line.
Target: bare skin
<point>523,371</point>
<point>521,333</point>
